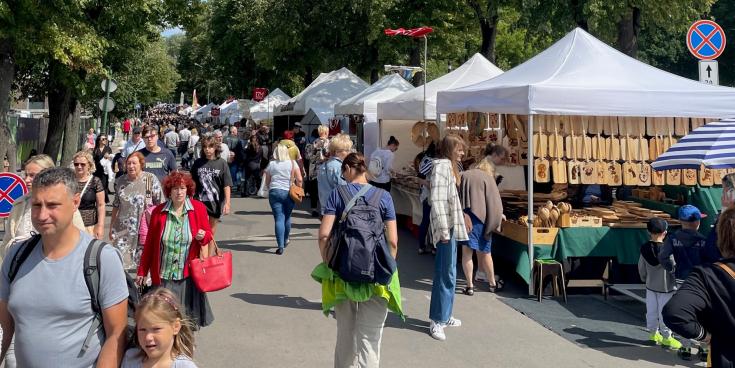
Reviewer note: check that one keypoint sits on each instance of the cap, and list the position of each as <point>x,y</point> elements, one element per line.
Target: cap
<point>689,213</point>
<point>657,225</point>
<point>137,130</point>
<point>298,125</point>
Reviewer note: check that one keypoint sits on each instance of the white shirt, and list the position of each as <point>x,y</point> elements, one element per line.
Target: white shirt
<point>131,147</point>
<point>184,135</point>
<point>225,154</point>
<point>280,172</point>
<point>386,157</point>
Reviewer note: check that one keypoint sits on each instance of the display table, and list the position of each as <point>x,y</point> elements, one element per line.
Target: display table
<point>707,199</point>
<point>406,202</point>
<point>619,243</point>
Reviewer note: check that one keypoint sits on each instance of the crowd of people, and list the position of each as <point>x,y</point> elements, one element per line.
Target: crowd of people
<point>172,183</point>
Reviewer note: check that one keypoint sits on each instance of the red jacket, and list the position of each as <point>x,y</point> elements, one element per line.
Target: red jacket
<point>150,260</point>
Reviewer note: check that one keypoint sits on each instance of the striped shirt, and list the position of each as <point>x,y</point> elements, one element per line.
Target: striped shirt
<point>175,242</point>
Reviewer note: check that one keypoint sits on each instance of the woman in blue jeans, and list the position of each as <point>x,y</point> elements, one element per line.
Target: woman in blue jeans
<point>279,175</point>
<point>447,228</point>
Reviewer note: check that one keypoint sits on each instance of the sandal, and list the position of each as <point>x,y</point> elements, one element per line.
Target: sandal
<point>423,251</point>
<point>499,285</point>
<point>469,291</point>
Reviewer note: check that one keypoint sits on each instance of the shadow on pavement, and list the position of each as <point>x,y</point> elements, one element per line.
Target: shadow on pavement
<point>413,324</point>
<point>240,246</point>
<point>278,300</point>
<point>298,214</point>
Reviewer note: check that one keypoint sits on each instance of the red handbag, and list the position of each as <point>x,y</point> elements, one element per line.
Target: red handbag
<point>212,273</point>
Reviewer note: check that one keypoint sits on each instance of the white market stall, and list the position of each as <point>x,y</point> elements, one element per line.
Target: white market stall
<point>321,95</point>
<point>397,115</point>
<point>203,112</point>
<point>229,112</point>
<point>580,75</point>
<point>263,110</point>
<point>366,102</point>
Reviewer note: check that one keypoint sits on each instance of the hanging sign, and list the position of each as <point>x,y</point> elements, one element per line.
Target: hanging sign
<point>12,187</point>
<point>708,72</point>
<point>259,94</point>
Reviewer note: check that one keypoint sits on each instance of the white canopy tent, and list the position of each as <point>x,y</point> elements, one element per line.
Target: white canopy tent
<point>263,110</point>
<point>323,93</point>
<point>398,115</point>
<point>366,103</point>
<point>580,75</point>
<point>229,112</point>
<point>203,111</point>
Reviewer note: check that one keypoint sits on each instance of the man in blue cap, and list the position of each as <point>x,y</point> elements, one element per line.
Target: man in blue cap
<point>688,249</point>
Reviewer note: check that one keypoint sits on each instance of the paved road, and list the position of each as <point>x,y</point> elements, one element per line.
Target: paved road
<point>271,316</point>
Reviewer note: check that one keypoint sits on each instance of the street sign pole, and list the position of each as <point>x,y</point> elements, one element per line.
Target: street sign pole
<point>706,41</point>
<point>104,107</point>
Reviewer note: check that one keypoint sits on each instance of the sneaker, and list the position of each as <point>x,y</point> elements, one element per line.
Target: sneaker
<point>671,343</point>
<point>436,330</point>
<point>685,353</point>
<point>453,322</point>
<point>279,251</point>
<point>702,354</point>
<point>656,337</point>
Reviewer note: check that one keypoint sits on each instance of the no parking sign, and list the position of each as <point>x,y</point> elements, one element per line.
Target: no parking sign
<point>706,40</point>
<point>12,187</point>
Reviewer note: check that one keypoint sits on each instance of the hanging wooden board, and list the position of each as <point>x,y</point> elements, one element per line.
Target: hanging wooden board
<point>576,123</point>
<point>635,149</point>
<point>602,167</point>
<point>697,122</point>
<point>589,173</point>
<point>596,147</point>
<point>644,176</point>
<point>540,145</point>
<point>644,149</point>
<point>556,145</point>
<point>624,148</point>
<point>612,127</point>
<point>564,124</point>
<point>559,171</point>
<point>579,142</point>
<point>592,126</point>
<point>717,175</point>
<point>706,178</point>
<point>689,177</point>
<point>681,126</point>
<point>653,148</point>
<point>573,166</point>
<point>670,126</point>
<point>539,123</point>
<point>658,177</point>
<point>630,173</point>
<point>614,175</point>
<point>651,126</point>
<point>673,177</point>
<point>613,148</point>
<point>542,171</point>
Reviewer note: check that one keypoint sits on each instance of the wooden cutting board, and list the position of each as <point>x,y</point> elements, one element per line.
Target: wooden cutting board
<point>573,166</point>
<point>630,173</point>
<point>697,122</point>
<point>539,123</point>
<point>542,171</point>
<point>624,148</point>
<point>717,175</point>
<point>589,172</point>
<point>644,148</point>
<point>673,177</point>
<point>595,124</point>
<point>577,124</point>
<point>556,145</point>
<point>602,167</point>
<point>613,148</point>
<point>564,124</point>
<point>706,176</point>
<point>611,125</point>
<point>644,174</point>
<point>651,126</point>
<point>681,126</point>
<point>658,177</point>
<point>614,175</point>
<point>653,148</point>
<point>669,125</point>
<point>540,145</point>
<point>689,177</point>
<point>559,171</point>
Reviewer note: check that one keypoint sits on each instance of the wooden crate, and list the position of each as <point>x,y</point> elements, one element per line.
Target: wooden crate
<point>586,221</point>
<point>519,233</point>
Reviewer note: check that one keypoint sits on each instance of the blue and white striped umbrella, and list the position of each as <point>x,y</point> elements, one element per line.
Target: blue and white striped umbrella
<point>712,145</point>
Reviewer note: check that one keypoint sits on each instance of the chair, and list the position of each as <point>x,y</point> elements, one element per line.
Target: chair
<point>549,267</point>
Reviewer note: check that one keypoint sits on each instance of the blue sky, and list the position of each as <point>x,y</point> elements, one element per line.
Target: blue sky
<point>171,31</point>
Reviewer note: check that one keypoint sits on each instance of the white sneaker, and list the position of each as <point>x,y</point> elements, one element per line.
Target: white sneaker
<point>453,322</point>
<point>436,330</point>
<point>480,276</point>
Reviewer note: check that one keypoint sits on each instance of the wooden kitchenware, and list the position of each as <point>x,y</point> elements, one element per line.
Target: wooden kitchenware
<point>706,176</point>
<point>673,177</point>
<point>540,144</point>
<point>601,165</point>
<point>681,126</point>
<point>644,175</point>
<point>658,177</point>
<point>717,175</point>
<point>610,125</point>
<point>574,167</point>
<point>630,169</point>
<point>589,169</point>
<point>689,177</point>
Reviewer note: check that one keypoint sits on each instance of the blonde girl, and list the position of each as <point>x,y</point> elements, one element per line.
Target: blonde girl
<point>163,337</point>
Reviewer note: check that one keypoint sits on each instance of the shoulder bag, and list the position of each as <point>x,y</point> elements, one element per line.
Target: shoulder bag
<point>296,192</point>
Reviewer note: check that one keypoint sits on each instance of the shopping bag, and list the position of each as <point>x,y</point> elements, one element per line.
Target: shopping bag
<point>212,273</point>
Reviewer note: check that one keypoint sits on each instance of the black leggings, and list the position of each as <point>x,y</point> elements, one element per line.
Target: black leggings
<point>312,186</point>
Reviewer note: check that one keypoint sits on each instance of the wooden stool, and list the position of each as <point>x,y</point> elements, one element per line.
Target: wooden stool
<point>549,267</point>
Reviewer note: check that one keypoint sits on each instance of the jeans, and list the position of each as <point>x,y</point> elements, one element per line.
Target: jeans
<point>359,332</point>
<point>235,174</point>
<point>424,227</point>
<point>282,205</point>
<point>445,280</point>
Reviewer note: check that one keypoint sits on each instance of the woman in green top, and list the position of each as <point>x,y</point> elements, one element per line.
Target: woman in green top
<point>360,308</point>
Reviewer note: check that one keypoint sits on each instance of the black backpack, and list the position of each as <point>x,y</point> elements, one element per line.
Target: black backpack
<point>361,251</point>
<point>91,278</point>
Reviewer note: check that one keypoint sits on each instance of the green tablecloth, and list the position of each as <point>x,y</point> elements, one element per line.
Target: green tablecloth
<point>619,243</point>
<point>707,199</point>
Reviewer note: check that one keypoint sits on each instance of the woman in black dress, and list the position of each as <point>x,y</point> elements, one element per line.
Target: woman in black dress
<point>102,150</point>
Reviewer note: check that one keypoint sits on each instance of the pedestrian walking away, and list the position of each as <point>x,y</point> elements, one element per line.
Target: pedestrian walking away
<point>280,174</point>
<point>359,307</point>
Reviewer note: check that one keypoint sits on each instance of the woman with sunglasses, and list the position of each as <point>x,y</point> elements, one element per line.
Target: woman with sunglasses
<point>102,151</point>
<point>91,193</point>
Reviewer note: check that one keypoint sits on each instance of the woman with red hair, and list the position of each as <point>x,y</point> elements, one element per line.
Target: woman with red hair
<point>179,232</point>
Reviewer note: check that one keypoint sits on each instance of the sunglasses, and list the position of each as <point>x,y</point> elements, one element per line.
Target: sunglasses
<point>79,164</point>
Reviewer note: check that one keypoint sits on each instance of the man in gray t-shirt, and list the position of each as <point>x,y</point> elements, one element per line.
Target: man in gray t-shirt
<point>158,161</point>
<point>47,306</point>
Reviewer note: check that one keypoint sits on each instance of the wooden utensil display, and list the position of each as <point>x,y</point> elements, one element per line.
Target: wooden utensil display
<point>653,148</point>
<point>592,125</point>
<point>644,175</point>
<point>589,169</point>
<point>556,145</point>
<point>539,123</point>
<point>600,164</point>
<point>706,177</point>
<point>542,171</point>
<point>614,174</point>
<point>651,126</point>
<point>689,177</point>
<point>673,177</point>
<point>611,125</point>
<point>540,144</point>
<point>658,177</point>
<point>717,175</point>
<point>577,123</point>
<point>630,169</point>
<point>573,166</point>
<point>559,167</point>
<point>613,148</point>
<point>681,126</point>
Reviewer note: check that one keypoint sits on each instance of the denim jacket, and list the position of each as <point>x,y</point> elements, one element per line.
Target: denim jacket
<point>329,177</point>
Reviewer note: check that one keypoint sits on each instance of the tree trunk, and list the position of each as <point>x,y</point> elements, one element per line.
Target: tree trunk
<point>308,76</point>
<point>628,28</point>
<point>489,30</point>
<point>61,101</point>
<point>7,74</point>
<point>374,75</point>
<point>71,135</point>
<point>416,59</point>
<point>578,14</point>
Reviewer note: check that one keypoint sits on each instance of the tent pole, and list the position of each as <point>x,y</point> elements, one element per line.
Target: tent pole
<point>529,180</point>
<point>426,53</point>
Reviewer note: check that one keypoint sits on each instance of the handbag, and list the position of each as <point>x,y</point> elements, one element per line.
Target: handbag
<point>296,192</point>
<point>214,272</point>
